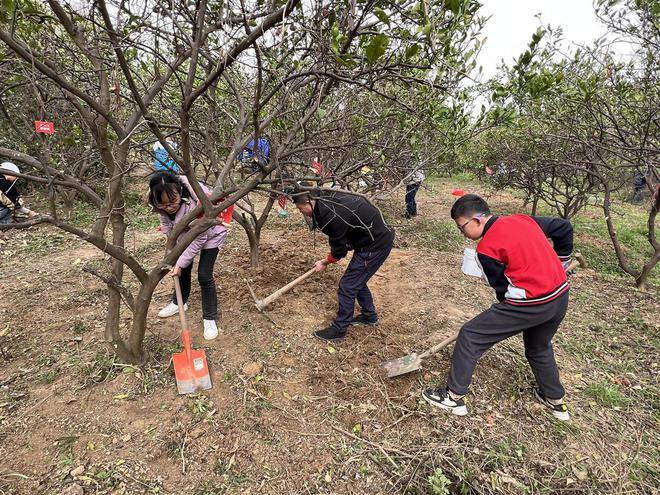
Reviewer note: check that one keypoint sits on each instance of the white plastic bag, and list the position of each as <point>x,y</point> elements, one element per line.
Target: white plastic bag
<point>470,265</point>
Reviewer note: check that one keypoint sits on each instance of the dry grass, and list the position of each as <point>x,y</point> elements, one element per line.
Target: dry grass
<point>317,418</point>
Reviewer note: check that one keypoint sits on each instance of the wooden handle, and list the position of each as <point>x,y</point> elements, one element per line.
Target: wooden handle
<point>439,346</point>
<point>179,302</point>
<point>278,293</point>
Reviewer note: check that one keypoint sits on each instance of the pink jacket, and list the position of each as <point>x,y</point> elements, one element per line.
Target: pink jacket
<point>214,237</point>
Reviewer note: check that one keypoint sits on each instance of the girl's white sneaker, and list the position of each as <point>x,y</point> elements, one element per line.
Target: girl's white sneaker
<point>210,329</point>
<point>170,310</point>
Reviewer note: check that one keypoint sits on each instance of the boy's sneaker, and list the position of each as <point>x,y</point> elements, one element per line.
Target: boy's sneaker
<point>330,334</point>
<point>210,329</point>
<point>439,397</point>
<point>170,310</point>
<point>363,320</point>
<point>559,411</point>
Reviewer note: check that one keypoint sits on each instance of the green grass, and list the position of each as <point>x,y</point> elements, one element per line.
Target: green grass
<point>607,395</point>
<point>502,454</point>
<point>438,234</point>
<point>43,243</point>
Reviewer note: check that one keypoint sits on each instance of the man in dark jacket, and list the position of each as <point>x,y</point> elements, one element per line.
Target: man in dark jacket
<point>351,222</point>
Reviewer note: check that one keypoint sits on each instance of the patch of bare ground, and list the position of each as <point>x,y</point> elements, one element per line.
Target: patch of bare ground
<point>289,414</point>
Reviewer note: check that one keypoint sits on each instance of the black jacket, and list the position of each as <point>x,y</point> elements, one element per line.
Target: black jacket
<point>10,193</point>
<point>350,222</point>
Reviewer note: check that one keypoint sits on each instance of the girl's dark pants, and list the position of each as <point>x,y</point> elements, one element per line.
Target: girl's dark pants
<point>206,282</point>
<point>538,325</point>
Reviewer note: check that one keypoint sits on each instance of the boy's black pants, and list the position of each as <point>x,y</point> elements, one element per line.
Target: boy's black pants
<point>538,325</point>
<point>206,282</point>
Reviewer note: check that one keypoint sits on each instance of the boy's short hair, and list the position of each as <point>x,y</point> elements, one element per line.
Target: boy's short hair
<point>468,206</point>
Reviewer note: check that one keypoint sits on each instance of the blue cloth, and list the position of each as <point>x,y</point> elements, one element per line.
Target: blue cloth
<point>353,285</point>
<point>263,153</point>
<point>164,162</point>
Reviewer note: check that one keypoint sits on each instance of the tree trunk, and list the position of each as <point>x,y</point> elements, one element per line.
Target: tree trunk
<point>254,236</point>
<point>641,281</point>
<point>535,204</point>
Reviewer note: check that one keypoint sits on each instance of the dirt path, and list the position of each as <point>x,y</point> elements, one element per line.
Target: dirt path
<point>288,414</point>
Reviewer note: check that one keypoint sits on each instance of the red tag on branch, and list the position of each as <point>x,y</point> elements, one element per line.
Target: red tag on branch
<point>281,200</point>
<point>44,127</point>
<point>317,168</point>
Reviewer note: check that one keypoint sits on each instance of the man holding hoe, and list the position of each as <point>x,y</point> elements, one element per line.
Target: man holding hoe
<point>351,222</point>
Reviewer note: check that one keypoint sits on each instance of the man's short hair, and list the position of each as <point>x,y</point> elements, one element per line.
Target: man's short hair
<point>468,206</point>
<point>300,197</point>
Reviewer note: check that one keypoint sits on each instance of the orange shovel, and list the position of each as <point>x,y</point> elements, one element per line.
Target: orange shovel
<point>190,366</point>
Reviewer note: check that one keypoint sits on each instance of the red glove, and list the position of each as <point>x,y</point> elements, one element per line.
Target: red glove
<point>331,258</point>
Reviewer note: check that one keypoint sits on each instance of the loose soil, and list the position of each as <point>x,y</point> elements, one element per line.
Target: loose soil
<point>289,414</point>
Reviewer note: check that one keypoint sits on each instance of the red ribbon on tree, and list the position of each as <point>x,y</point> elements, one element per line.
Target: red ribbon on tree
<point>44,127</point>
<point>317,168</point>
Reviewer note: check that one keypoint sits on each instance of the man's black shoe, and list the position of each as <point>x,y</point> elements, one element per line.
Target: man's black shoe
<point>362,320</point>
<point>330,334</point>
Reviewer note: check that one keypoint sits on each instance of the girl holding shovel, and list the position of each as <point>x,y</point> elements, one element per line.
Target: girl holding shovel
<point>172,201</point>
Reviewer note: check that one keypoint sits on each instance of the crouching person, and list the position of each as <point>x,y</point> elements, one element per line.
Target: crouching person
<point>351,222</point>
<point>530,282</point>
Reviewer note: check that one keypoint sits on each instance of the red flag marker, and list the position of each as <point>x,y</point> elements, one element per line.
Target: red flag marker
<point>44,127</point>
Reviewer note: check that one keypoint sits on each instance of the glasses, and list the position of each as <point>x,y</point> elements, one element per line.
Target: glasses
<point>462,227</point>
<point>168,206</point>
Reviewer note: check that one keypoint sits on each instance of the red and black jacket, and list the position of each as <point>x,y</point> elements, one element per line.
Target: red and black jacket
<point>518,261</point>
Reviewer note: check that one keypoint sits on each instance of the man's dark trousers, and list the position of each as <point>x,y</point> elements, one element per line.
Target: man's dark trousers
<point>411,203</point>
<point>538,324</point>
<point>353,285</point>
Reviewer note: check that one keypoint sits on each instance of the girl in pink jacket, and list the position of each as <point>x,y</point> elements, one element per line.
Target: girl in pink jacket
<point>172,201</point>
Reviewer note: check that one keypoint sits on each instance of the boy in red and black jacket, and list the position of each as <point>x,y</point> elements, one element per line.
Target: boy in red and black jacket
<point>530,282</point>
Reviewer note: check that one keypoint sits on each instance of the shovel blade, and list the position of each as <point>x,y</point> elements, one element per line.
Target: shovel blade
<point>192,375</point>
<point>402,365</point>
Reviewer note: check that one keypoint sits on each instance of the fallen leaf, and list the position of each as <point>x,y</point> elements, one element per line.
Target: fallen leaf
<point>328,478</point>
<point>121,396</point>
<point>331,349</point>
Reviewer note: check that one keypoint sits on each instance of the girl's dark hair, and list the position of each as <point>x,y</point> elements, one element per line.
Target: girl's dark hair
<point>165,183</point>
<point>468,206</point>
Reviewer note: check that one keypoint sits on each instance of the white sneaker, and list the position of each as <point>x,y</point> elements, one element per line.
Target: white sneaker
<point>557,407</point>
<point>170,310</point>
<point>210,329</point>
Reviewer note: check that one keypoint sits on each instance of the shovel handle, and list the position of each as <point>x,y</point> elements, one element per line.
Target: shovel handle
<point>439,346</point>
<point>179,302</point>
